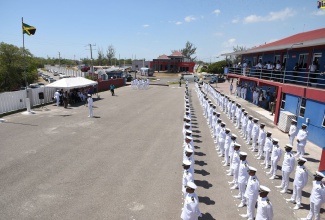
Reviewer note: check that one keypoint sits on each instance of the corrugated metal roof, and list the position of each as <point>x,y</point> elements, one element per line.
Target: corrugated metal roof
<point>304,39</point>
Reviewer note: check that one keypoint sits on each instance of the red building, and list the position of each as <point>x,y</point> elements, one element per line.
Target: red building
<point>174,63</point>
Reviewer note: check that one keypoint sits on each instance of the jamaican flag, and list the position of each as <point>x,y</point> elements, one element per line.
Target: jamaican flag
<point>27,29</point>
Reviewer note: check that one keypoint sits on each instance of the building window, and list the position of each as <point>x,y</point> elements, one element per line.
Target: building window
<point>323,121</point>
<point>136,66</point>
<point>254,61</point>
<point>303,59</point>
<point>283,101</point>
<point>302,107</point>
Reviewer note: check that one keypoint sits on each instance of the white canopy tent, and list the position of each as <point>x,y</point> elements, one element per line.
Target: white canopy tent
<point>71,83</point>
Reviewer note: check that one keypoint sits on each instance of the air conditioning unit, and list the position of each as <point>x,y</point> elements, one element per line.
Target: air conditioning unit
<point>285,120</point>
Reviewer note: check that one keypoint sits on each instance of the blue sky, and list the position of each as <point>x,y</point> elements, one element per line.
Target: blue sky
<point>147,29</point>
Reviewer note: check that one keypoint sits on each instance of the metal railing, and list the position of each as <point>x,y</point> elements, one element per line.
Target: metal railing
<point>309,79</point>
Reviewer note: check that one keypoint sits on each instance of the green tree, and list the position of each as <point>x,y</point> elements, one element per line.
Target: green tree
<point>12,65</point>
<point>217,67</point>
<point>188,51</point>
<point>237,58</point>
<point>110,54</point>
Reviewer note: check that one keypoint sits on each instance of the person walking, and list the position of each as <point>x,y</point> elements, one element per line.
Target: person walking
<point>90,106</point>
<point>112,87</point>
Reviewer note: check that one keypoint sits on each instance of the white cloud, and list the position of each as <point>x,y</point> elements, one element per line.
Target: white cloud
<point>145,25</point>
<point>235,21</point>
<point>319,12</point>
<point>229,43</point>
<point>272,16</point>
<point>178,23</point>
<point>189,18</point>
<point>217,12</point>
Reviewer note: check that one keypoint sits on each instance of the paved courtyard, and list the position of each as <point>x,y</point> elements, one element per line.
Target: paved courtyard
<point>123,164</point>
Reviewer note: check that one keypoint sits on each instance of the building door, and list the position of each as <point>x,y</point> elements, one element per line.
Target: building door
<point>316,59</point>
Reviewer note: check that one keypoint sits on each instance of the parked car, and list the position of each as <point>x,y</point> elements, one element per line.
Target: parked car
<point>217,79</point>
<point>55,73</point>
<point>51,80</point>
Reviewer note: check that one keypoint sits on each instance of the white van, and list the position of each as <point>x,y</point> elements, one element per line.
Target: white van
<point>191,78</point>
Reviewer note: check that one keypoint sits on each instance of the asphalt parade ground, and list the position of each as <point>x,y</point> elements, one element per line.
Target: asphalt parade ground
<point>125,163</point>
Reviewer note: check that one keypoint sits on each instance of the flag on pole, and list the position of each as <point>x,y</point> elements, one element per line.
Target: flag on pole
<point>27,29</point>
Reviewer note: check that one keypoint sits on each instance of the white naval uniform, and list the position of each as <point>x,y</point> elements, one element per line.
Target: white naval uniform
<point>275,157</point>
<point>235,166</point>
<point>288,165</point>
<point>255,132</point>
<point>238,117</point>
<point>244,126</point>
<point>317,198</point>
<point>261,142</point>
<point>267,150</point>
<point>302,137</point>
<point>249,131</point>
<point>264,209</point>
<point>187,177</point>
<point>300,181</point>
<point>57,97</point>
<point>90,106</point>
<point>191,209</point>
<point>221,141</point>
<point>251,195</point>
<point>227,146</point>
<point>242,178</point>
<point>292,133</point>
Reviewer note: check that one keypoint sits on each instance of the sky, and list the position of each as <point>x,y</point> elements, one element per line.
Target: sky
<point>146,29</point>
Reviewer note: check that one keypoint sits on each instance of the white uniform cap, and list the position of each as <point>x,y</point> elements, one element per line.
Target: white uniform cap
<point>303,124</point>
<point>187,162</point>
<point>191,185</point>
<point>188,131</point>
<point>189,150</point>
<point>319,174</point>
<point>252,168</point>
<point>233,135</point>
<point>302,159</point>
<point>187,124</point>
<point>187,118</point>
<point>276,140</point>
<point>242,153</point>
<point>222,123</point>
<point>227,129</point>
<point>264,189</point>
<point>255,119</point>
<point>189,137</point>
<point>293,120</point>
<point>89,95</point>
<point>237,145</point>
<point>262,124</point>
<point>288,146</point>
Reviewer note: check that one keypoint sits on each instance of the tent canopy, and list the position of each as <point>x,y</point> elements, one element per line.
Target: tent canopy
<point>71,83</point>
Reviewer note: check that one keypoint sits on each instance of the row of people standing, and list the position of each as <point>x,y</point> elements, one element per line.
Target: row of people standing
<point>262,143</point>
<point>190,209</point>
<point>140,84</point>
<point>244,176</point>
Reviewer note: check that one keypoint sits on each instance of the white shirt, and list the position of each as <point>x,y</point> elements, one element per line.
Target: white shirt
<point>255,130</point>
<point>222,135</point>
<point>264,209</point>
<point>191,209</point>
<point>301,177</point>
<point>235,161</point>
<point>293,130</point>
<point>288,163</point>
<point>276,153</point>
<point>268,144</point>
<point>252,188</point>
<point>243,172</point>
<point>261,137</point>
<point>302,136</point>
<point>90,102</point>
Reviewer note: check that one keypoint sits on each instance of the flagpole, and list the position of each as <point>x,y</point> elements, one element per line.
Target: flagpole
<point>24,61</point>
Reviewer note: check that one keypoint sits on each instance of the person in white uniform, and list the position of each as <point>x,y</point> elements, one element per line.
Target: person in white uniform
<point>301,141</point>
<point>292,131</point>
<point>255,133</point>
<point>267,149</point>
<point>288,166</point>
<point>90,106</point>
<point>261,140</point>
<point>251,194</point>
<point>187,175</point>
<point>317,197</point>
<point>57,97</point>
<point>264,206</point>
<point>249,129</point>
<point>222,139</point>
<point>242,175</point>
<point>235,162</point>
<point>276,155</point>
<point>191,209</point>
<point>300,181</point>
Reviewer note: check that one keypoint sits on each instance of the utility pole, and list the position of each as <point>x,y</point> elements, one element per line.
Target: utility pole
<point>59,63</point>
<point>91,60</point>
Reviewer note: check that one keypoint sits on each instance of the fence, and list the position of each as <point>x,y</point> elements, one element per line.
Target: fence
<point>13,101</point>
<point>309,79</point>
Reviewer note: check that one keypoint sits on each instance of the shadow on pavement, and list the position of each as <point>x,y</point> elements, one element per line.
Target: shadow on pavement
<point>196,147</point>
<point>207,216</point>
<point>199,153</point>
<point>206,200</point>
<point>196,131</point>
<point>202,172</point>
<point>197,141</point>
<point>203,183</point>
<point>200,163</point>
<point>196,135</point>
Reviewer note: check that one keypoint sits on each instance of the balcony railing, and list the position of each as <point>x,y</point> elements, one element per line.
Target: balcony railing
<point>309,79</point>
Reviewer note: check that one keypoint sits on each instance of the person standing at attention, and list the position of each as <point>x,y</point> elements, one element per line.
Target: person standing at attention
<point>90,106</point>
